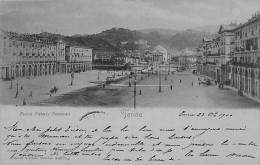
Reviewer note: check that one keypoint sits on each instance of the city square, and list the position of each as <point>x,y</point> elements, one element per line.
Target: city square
<point>136,82</point>
<point>85,93</point>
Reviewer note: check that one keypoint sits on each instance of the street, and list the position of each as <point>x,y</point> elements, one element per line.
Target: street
<point>182,95</point>
<point>39,87</point>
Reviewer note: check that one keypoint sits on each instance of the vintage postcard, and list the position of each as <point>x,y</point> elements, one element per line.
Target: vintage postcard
<point>130,82</point>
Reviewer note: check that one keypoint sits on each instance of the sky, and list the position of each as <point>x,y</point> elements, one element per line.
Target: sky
<point>69,17</point>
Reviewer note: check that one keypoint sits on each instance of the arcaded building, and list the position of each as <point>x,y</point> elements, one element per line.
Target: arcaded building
<point>77,55</point>
<point>26,55</point>
<point>245,66</point>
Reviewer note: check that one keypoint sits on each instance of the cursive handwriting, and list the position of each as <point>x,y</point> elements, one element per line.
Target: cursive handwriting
<point>125,143</point>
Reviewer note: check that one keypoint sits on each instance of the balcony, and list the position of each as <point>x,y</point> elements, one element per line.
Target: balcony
<point>245,64</point>
<point>216,54</point>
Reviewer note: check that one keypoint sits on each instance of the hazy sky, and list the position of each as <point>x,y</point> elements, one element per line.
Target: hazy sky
<point>93,16</point>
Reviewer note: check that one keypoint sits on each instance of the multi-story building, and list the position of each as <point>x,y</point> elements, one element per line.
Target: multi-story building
<point>226,48</point>
<point>200,57</point>
<point>25,55</point>
<point>245,75</point>
<point>159,55</point>
<point>212,51</point>
<point>191,60</point>
<point>61,62</point>
<point>77,55</point>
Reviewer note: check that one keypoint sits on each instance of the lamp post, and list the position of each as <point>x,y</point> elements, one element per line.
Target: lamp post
<point>17,84</point>
<point>169,68</point>
<point>72,77</point>
<point>165,74</point>
<point>160,88</point>
<point>11,78</point>
<point>129,80</point>
<point>135,91</point>
<point>98,74</point>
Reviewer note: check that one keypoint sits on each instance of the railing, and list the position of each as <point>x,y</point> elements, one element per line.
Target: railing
<point>215,54</point>
<point>247,65</point>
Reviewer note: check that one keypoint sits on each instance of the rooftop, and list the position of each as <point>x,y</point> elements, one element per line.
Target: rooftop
<point>255,17</point>
<point>29,37</point>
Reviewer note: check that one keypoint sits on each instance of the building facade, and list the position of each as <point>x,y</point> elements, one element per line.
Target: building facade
<point>200,58</point>
<point>77,55</point>
<point>226,49</point>
<point>159,55</point>
<point>212,64</point>
<point>245,66</point>
<point>61,62</point>
<point>25,55</point>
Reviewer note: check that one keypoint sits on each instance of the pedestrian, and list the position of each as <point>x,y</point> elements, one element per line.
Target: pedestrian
<point>104,85</point>
<point>140,92</point>
<point>24,103</point>
<point>55,89</point>
<point>180,80</point>
<point>30,94</point>
<point>192,83</point>
<point>171,87</point>
<point>21,87</point>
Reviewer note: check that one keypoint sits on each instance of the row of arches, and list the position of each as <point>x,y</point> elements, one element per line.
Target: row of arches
<point>33,70</point>
<point>247,84</point>
<point>78,67</point>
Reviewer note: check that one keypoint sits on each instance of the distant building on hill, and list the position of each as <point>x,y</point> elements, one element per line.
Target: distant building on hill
<point>141,42</point>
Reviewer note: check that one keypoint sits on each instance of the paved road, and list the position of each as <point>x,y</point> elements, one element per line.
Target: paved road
<point>182,95</point>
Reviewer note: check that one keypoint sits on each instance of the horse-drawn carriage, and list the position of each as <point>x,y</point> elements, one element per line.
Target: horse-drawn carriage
<point>54,90</point>
<point>109,80</point>
<point>206,82</point>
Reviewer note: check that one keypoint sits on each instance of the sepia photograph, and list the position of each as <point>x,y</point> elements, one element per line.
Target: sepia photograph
<point>130,82</point>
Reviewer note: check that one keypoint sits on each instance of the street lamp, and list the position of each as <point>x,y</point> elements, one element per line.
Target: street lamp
<point>135,91</point>
<point>129,79</point>
<point>72,77</point>
<point>98,74</point>
<point>17,88</point>
<point>160,88</point>
<point>165,74</point>
<point>169,68</point>
<point>11,78</point>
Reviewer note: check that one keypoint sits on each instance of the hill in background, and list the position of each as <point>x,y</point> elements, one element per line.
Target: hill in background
<point>160,30</point>
<point>208,28</point>
<point>117,39</point>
